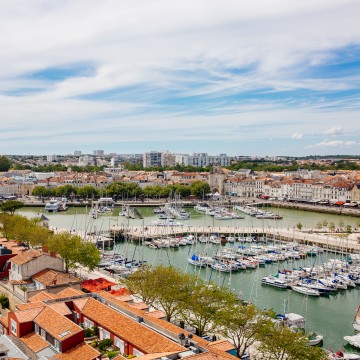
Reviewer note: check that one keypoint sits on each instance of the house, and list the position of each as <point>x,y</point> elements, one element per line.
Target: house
<point>30,262</point>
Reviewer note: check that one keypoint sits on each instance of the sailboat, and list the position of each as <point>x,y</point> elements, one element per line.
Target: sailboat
<point>356,321</point>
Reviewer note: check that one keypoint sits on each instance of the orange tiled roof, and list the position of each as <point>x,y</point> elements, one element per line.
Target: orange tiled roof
<point>81,351</point>
<point>211,356</point>
<point>26,256</point>
<point>61,308</point>
<point>56,325</point>
<point>157,314</point>
<point>146,340</point>
<point>42,296</point>
<point>35,342</point>
<point>139,305</point>
<point>149,356</point>
<point>32,305</point>
<point>223,345</point>
<point>50,277</point>
<point>160,322</point>
<point>4,319</point>
<point>69,292</point>
<point>80,303</point>
<point>27,315</point>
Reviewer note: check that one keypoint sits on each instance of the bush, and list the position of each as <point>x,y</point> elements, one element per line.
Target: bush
<point>113,353</point>
<point>4,301</point>
<point>88,332</point>
<point>104,344</point>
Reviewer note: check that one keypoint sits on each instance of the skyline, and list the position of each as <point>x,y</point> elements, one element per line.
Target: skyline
<point>277,77</point>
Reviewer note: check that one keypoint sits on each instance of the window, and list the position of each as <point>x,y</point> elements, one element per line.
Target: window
<point>137,352</point>
<point>43,333</point>
<point>13,326</point>
<point>37,328</point>
<point>56,345</point>
<point>104,334</point>
<point>88,323</point>
<point>119,344</point>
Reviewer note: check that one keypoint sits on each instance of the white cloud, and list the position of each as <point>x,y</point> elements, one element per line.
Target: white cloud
<point>334,144</point>
<point>335,130</point>
<point>297,136</point>
<point>159,47</point>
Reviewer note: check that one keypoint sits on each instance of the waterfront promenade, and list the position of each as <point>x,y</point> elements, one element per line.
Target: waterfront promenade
<point>337,243</point>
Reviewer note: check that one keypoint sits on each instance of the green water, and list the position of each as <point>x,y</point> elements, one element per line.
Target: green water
<point>331,316</point>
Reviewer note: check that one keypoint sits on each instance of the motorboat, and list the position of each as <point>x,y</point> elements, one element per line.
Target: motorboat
<point>306,291</point>
<point>274,281</point>
<point>341,355</point>
<point>353,340</point>
<point>53,205</point>
<point>197,260</point>
<point>315,339</point>
<point>356,322</point>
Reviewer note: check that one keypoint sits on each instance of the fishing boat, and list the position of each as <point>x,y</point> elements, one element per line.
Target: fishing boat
<point>305,291</point>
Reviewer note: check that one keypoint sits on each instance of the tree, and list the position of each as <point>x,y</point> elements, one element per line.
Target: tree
<point>5,163</point>
<point>11,206</point>
<point>8,224</point>
<point>42,191</point>
<point>279,342</point>
<point>242,324</point>
<point>89,256</point>
<point>199,188</point>
<point>166,288</point>
<point>205,305</point>
<point>87,192</point>
<point>299,225</point>
<point>73,251</point>
<point>4,301</point>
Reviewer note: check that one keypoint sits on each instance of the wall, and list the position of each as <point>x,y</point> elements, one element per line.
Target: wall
<point>36,265</point>
<point>72,341</point>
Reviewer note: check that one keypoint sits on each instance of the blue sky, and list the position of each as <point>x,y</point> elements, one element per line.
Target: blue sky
<point>270,77</point>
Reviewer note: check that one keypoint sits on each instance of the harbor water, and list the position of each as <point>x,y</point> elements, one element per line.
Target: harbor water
<point>329,315</point>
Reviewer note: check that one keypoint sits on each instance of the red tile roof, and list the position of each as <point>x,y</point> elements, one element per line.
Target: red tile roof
<point>35,342</point>
<point>27,315</point>
<point>56,325</point>
<point>26,256</point>
<point>144,339</point>
<point>81,351</point>
<point>49,277</point>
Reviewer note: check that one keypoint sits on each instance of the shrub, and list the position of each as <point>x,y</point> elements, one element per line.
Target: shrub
<point>104,344</point>
<point>113,353</point>
<point>88,332</point>
<point>4,301</point>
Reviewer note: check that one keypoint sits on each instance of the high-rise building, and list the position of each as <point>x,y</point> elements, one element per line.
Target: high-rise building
<point>51,158</point>
<point>153,158</point>
<point>98,152</point>
<point>77,153</point>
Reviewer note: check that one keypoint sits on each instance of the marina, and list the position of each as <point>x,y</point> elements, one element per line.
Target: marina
<point>331,315</point>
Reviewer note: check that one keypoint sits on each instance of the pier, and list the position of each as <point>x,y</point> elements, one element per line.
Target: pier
<point>339,243</point>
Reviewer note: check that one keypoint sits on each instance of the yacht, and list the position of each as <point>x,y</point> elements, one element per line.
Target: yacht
<point>53,205</point>
<point>274,281</point>
<point>306,291</point>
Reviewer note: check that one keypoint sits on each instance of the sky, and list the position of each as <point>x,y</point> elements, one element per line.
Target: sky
<point>259,77</point>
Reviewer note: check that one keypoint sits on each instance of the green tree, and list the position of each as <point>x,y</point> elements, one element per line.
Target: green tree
<point>166,288</point>
<point>299,226</point>
<point>199,188</point>
<point>280,342</point>
<point>4,301</point>
<point>11,206</point>
<point>5,163</point>
<point>89,256</point>
<point>41,191</point>
<point>205,305</point>
<point>348,229</point>
<point>73,251</point>
<point>87,192</point>
<point>241,324</point>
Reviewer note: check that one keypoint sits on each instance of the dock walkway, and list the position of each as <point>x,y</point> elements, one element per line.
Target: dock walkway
<point>339,242</point>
